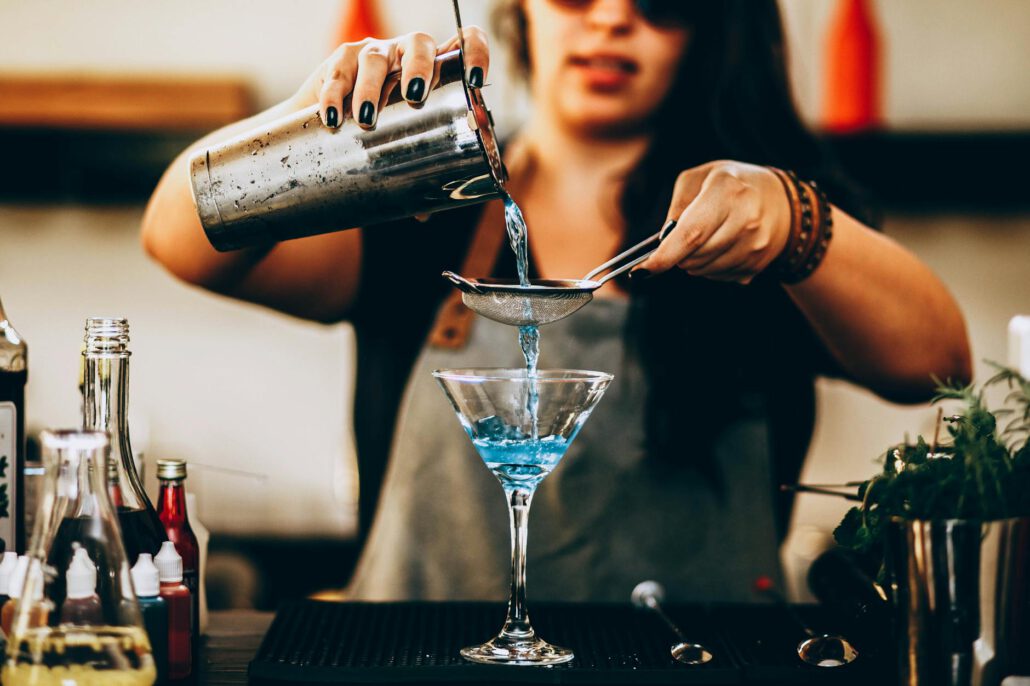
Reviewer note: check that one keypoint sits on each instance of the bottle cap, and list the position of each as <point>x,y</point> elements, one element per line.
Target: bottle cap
<point>174,470</point>
<point>10,561</point>
<point>125,579</point>
<point>81,576</point>
<point>169,563</point>
<point>17,579</point>
<point>146,577</point>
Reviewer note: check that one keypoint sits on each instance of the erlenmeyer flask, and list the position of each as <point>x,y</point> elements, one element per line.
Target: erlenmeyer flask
<point>108,646</point>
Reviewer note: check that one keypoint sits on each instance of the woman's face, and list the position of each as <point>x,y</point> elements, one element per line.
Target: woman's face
<point>598,66</point>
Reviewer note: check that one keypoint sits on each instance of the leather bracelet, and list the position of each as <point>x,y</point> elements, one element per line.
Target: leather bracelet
<point>811,227</point>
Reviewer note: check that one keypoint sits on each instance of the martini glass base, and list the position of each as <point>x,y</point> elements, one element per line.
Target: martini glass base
<point>503,650</point>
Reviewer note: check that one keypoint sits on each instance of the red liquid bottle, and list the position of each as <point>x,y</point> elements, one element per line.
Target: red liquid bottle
<point>171,508</point>
<point>13,377</point>
<point>177,597</point>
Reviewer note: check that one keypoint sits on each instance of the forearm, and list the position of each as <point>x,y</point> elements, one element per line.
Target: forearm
<point>883,314</point>
<point>171,230</point>
<point>314,278</point>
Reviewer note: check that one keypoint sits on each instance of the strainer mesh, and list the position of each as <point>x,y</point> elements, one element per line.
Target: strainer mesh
<point>515,309</point>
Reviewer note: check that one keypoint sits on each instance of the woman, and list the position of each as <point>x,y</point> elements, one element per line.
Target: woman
<point>645,113</point>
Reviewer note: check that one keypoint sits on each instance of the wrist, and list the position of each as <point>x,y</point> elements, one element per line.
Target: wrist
<point>811,228</point>
<point>779,213</point>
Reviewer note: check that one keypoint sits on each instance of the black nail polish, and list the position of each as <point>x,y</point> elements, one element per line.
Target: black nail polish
<point>640,274</point>
<point>476,77</point>
<point>332,117</point>
<point>366,113</point>
<point>416,89</point>
<point>669,226</point>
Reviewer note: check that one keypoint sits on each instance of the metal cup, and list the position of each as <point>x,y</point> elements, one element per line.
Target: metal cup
<point>961,598</point>
<point>295,177</point>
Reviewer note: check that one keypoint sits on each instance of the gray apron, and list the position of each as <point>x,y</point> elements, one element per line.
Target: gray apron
<point>604,520</point>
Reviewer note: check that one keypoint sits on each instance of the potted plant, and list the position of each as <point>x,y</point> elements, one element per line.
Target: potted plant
<point>948,525</point>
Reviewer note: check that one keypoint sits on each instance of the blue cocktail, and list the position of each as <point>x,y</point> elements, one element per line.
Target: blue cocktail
<point>521,426</point>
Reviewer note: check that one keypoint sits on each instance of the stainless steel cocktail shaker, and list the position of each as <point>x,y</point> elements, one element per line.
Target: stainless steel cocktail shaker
<point>295,177</point>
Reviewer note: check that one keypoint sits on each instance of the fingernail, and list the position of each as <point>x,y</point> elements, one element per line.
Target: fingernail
<point>476,77</point>
<point>416,89</point>
<point>332,117</point>
<point>669,226</point>
<point>366,113</point>
<point>639,274</point>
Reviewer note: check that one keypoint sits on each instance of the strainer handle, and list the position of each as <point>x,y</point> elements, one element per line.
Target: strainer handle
<point>656,238</point>
<point>629,265</point>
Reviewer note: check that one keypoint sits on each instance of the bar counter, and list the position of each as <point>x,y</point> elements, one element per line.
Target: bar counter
<point>418,643</point>
<point>232,640</point>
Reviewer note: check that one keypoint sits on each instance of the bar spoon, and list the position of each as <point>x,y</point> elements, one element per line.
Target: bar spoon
<point>649,595</point>
<point>821,650</point>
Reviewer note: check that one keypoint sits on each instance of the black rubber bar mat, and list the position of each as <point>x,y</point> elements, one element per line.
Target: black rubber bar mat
<point>366,643</point>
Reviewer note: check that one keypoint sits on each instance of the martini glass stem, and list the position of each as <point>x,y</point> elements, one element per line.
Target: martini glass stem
<point>517,625</point>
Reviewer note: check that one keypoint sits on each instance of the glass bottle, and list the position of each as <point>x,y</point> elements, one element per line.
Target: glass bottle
<point>171,508</point>
<point>75,514</point>
<point>13,377</point>
<point>106,408</point>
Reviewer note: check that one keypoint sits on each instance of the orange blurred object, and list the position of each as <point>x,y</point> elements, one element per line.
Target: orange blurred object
<point>359,20</point>
<point>853,78</point>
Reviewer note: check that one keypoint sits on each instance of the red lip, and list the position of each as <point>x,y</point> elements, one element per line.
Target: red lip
<point>605,71</point>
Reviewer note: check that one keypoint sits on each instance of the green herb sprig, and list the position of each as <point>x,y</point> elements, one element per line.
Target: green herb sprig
<point>982,472</point>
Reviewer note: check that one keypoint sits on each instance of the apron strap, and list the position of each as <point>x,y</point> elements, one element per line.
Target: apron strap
<point>454,320</point>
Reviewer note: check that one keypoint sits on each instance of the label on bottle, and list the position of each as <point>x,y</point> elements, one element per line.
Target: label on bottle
<point>8,466</point>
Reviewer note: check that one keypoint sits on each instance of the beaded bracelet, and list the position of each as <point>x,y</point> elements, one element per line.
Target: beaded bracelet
<point>811,228</point>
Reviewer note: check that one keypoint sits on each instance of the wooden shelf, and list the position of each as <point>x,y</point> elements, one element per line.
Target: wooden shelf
<point>120,102</point>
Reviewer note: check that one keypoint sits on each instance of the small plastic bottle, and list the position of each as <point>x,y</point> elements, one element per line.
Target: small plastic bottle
<point>146,580</point>
<point>15,582</point>
<point>180,609</point>
<point>40,611</point>
<point>82,604</point>
<point>10,561</point>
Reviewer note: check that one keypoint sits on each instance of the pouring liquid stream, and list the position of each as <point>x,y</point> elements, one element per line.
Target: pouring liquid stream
<point>529,336</point>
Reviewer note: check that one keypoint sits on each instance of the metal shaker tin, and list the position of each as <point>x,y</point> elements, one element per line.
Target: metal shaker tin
<point>295,177</point>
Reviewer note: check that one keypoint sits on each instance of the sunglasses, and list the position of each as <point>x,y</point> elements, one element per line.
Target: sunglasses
<point>662,13</point>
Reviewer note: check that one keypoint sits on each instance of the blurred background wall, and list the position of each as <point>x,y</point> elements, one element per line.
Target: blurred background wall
<point>259,403</point>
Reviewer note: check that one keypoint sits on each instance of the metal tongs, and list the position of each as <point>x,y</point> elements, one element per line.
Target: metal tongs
<point>546,300</point>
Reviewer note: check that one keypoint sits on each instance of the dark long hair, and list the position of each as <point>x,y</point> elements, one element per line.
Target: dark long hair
<point>705,345</point>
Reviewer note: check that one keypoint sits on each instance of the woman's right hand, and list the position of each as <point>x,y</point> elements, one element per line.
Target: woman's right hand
<point>361,68</point>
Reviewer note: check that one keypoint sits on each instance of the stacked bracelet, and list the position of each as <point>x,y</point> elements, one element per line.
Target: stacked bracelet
<point>811,227</point>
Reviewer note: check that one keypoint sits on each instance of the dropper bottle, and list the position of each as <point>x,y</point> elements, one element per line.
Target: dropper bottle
<point>15,582</point>
<point>10,561</point>
<point>82,604</point>
<point>147,581</point>
<point>180,610</point>
<point>40,610</point>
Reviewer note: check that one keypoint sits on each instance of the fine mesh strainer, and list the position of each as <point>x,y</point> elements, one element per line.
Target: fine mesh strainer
<point>544,300</point>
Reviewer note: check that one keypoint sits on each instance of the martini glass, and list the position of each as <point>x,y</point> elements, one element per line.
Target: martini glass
<point>521,426</point>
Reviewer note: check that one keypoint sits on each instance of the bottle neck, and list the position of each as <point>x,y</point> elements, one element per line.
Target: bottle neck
<point>171,503</point>
<point>106,408</point>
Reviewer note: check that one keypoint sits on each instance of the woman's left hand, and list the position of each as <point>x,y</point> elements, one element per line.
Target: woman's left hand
<point>732,221</point>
